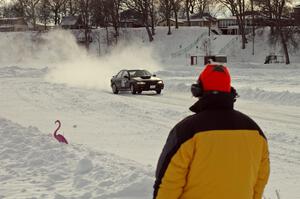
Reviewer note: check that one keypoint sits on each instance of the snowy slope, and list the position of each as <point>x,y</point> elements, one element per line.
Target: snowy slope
<point>35,165</point>
<point>262,47</point>
<point>115,140</point>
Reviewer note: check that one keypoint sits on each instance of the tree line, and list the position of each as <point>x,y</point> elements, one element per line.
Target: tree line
<point>106,13</point>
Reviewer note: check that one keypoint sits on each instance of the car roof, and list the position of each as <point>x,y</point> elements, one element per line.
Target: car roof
<point>135,69</point>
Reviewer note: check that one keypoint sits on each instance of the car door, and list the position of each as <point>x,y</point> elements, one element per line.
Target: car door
<point>119,79</point>
<point>125,84</point>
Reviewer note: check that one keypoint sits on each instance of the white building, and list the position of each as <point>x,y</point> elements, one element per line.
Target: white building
<point>13,24</point>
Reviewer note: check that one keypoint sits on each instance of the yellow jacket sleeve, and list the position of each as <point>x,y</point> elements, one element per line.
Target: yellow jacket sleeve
<point>175,177</point>
<point>263,174</point>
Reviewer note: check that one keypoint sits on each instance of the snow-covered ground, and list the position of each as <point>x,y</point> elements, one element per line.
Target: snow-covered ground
<point>115,140</point>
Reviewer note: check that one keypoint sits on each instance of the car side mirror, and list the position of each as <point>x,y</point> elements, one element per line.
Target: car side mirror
<point>154,75</point>
<point>126,77</point>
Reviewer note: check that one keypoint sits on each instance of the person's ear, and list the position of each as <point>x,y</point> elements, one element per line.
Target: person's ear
<point>197,89</point>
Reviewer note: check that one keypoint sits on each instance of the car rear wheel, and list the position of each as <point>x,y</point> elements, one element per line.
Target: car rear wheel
<point>115,89</point>
<point>133,91</point>
<point>158,91</point>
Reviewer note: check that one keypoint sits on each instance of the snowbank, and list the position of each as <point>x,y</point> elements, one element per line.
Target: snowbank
<point>259,95</point>
<point>36,165</point>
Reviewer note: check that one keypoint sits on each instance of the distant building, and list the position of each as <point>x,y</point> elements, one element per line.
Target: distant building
<point>13,24</point>
<point>131,18</point>
<point>296,15</point>
<point>40,27</point>
<point>172,22</point>
<point>130,23</point>
<point>229,25</point>
<point>201,20</point>
<point>71,22</point>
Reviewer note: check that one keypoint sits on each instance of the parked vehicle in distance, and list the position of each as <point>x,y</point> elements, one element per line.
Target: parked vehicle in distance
<point>136,81</point>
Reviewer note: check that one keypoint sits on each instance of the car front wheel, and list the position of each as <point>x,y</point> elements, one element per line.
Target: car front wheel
<point>133,91</point>
<point>158,91</point>
<point>115,89</point>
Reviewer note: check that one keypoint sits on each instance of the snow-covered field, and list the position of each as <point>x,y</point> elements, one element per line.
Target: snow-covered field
<point>115,140</point>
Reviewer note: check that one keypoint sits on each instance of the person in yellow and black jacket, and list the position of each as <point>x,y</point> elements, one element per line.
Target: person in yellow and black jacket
<point>217,153</point>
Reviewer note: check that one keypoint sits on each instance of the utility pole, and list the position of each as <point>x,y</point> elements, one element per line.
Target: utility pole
<point>152,17</point>
<point>209,36</point>
<point>253,28</point>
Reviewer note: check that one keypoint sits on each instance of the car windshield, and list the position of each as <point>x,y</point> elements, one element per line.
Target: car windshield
<point>139,73</point>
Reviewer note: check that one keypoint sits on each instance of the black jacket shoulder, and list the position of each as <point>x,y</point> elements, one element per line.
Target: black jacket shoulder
<point>214,120</point>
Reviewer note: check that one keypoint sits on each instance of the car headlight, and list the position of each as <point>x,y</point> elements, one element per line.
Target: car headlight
<point>160,82</point>
<point>140,83</point>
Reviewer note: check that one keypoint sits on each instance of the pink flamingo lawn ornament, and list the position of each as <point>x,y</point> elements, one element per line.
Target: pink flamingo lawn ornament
<point>59,137</point>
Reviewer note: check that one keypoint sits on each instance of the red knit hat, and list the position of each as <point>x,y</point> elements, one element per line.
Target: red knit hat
<point>215,78</point>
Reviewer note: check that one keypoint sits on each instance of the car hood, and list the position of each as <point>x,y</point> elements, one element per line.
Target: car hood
<point>147,79</point>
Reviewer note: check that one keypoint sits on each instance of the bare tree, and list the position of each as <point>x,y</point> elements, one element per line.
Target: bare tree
<point>142,7</point>
<point>202,6</point>
<point>85,12</point>
<point>13,10</point>
<point>30,10</point>
<point>166,8</point>
<point>152,15</point>
<point>266,10</point>
<point>188,6</point>
<point>279,10</point>
<point>71,7</point>
<point>2,7</point>
<point>238,8</point>
<point>56,7</point>
<point>113,9</point>
<point>97,13</point>
<point>176,5</point>
<point>44,11</point>
<point>105,13</point>
<point>275,14</point>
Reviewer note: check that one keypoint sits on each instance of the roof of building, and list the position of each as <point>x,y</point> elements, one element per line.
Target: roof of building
<point>69,20</point>
<point>130,14</point>
<point>12,18</point>
<point>227,18</point>
<point>202,19</point>
<point>13,21</point>
<point>201,15</point>
<point>234,17</point>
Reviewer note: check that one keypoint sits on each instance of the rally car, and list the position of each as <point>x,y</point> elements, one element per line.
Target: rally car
<point>136,81</point>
